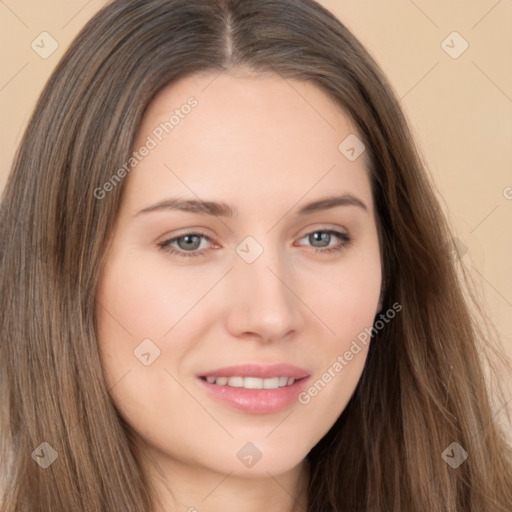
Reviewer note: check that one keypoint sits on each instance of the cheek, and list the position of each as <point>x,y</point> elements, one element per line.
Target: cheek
<point>345,298</point>
<point>140,300</point>
<point>347,306</point>
<point>356,301</point>
<point>137,303</point>
<point>146,299</point>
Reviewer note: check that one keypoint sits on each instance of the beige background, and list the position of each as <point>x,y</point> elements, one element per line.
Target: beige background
<point>460,109</point>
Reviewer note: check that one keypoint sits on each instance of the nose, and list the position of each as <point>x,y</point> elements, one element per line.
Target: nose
<point>264,298</point>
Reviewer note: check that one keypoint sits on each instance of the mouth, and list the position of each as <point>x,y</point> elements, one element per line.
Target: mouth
<point>255,388</point>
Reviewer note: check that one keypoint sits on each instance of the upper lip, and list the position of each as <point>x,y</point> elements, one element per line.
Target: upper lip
<point>258,370</point>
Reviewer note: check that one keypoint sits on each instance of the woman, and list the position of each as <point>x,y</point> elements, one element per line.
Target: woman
<point>254,369</point>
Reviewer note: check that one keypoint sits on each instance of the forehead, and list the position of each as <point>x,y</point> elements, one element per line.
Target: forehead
<point>232,104</point>
<point>248,138</point>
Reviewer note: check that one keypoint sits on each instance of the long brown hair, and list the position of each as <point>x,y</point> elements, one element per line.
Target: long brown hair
<point>423,386</point>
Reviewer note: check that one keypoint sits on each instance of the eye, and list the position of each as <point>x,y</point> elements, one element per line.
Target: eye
<point>325,237</point>
<point>188,244</point>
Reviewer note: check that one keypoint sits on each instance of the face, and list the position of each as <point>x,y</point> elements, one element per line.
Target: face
<point>273,287</point>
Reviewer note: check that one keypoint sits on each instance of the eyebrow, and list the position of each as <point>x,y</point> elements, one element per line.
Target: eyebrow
<point>222,209</point>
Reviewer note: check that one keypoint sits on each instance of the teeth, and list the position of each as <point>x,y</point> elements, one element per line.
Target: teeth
<point>252,382</point>
<point>236,382</point>
<point>269,383</point>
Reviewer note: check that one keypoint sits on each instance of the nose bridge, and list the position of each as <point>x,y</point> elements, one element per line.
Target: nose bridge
<point>264,302</point>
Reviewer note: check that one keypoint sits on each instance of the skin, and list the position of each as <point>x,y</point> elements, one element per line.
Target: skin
<point>266,146</point>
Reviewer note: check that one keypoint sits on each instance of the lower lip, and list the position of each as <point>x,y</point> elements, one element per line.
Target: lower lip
<point>256,400</point>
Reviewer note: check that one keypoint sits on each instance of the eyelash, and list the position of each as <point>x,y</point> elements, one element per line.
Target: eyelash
<point>345,237</point>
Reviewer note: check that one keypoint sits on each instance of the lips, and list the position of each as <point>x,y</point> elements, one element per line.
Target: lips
<point>258,371</point>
